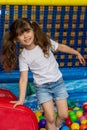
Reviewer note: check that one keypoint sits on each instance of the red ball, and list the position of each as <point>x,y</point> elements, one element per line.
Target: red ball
<point>85,114</point>
<point>68,121</point>
<point>84,107</point>
<point>70,108</point>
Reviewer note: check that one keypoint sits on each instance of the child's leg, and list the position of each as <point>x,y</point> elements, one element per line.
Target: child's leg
<point>62,109</point>
<point>48,108</point>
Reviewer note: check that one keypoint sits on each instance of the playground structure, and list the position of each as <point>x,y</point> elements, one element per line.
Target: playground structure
<point>65,24</point>
<point>64,21</point>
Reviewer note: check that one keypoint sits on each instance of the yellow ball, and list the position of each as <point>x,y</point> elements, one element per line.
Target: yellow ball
<point>38,113</point>
<point>42,129</point>
<point>76,108</point>
<point>84,122</point>
<point>79,114</point>
<point>75,126</point>
<point>38,118</point>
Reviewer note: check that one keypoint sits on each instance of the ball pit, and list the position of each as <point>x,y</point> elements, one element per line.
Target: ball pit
<point>77,118</point>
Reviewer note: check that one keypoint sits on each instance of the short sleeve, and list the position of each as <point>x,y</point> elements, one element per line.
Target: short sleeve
<point>23,66</point>
<point>54,45</point>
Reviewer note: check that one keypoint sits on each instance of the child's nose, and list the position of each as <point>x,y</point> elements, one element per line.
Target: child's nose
<point>25,34</point>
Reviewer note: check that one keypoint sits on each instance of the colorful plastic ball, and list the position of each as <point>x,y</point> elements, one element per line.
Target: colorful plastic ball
<point>68,122</point>
<point>38,113</point>
<point>75,126</point>
<point>42,129</point>
<point>78,121</point>
<point>84,107</point>
<point>41,117</point>
<point>71,113</point>
<point>76,108</point>
<point>56,114</point>
<point>84,103</point>
<point>82,118</point>
<point>38,119</point>
<point>79,114</point>
<point>65,128</point>
<point>85,114</point>
<point>81,109</point>
<point>84,122</point>
<point>70,109</point>
<point>73,118</point>
<point>83,126</point>
<point>42,123</point>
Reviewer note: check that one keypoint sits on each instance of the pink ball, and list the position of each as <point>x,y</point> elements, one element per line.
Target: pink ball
<point>82,118</point>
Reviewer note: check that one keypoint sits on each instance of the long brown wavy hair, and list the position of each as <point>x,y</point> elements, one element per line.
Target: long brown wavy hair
<point>9,49</point>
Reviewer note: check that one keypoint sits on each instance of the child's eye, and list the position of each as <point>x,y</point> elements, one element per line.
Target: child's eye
<point>20,34</point>
<point>28,31</point>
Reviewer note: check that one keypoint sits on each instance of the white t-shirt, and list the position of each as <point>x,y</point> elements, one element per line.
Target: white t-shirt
<point>44,69</point>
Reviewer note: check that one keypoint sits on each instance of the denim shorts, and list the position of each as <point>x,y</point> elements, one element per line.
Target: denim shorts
<point>51,91</point>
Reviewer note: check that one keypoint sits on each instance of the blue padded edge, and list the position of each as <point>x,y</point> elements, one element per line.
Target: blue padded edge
<point>74,73</point>
<point>68,74</point>
<point>12,77</point>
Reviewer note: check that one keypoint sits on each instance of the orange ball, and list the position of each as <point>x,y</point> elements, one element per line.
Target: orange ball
<point>83,126</point>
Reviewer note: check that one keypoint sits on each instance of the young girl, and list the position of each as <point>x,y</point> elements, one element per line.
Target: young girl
<point>37,55</point>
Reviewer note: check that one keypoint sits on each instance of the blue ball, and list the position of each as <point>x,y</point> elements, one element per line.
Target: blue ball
<point>65,128</point>
<point>78,121</point>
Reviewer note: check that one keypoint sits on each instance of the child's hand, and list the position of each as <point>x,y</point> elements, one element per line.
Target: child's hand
<point>16,103</point>
<point>81,58</point>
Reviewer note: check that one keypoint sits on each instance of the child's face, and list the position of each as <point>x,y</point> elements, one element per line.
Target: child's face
<point>27,38</point>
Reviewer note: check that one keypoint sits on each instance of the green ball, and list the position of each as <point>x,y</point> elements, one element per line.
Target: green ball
<point>73,118</point>
<point>71,113</point>
<point>41,117</point>
<point>81,109</point>
<point>56,114</point>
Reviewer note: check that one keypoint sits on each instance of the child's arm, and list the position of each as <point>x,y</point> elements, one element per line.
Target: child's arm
<point>22,86</point>
<point>67,49</point>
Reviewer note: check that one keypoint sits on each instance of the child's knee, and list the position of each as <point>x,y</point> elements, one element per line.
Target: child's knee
<point>51,119</point>
<point>63,116</point>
